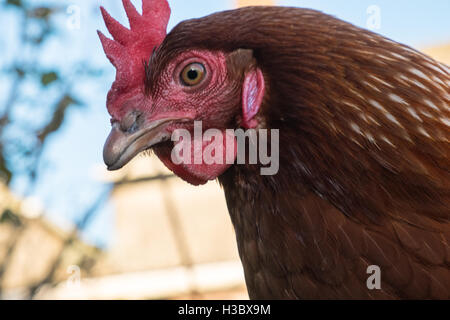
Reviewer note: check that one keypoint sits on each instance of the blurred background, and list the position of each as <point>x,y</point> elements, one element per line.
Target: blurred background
<point>71,230</point>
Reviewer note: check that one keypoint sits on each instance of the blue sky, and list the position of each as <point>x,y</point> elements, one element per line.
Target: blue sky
<point>66,183</point>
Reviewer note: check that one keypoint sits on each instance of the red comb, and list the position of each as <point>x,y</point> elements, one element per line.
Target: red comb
<point>131,47</point>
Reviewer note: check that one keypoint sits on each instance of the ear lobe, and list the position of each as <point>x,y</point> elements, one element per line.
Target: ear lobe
<point>252,96</point>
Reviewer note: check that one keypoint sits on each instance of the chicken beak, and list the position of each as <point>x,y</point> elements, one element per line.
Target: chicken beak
<point>123,144</point>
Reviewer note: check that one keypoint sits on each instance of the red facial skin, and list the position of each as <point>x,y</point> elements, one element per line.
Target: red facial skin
<point>212,101</point>
<point>216,101</point>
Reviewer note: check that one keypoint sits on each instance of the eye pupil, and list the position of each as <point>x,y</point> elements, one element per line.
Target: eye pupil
<point>192,74</point>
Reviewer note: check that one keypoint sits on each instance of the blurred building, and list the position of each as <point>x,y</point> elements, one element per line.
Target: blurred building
<point>244,3</point>
<point>440,53</point>
<point>33,251</point>
<point>174,237</point>
<point>171,240</point>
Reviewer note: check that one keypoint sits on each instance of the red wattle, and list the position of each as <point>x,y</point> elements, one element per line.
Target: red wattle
<point>196,171</point>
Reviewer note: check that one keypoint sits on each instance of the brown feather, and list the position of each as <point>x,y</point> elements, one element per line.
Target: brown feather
<point>364,157</point>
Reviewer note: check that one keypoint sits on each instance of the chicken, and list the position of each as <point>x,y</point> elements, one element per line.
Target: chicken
<point>364,143</point>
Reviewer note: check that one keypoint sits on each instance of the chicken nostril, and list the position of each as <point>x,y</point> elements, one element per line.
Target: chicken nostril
<point>131,122</point>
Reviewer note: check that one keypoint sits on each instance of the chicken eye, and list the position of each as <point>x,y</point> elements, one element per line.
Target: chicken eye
<point>193,74</point>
